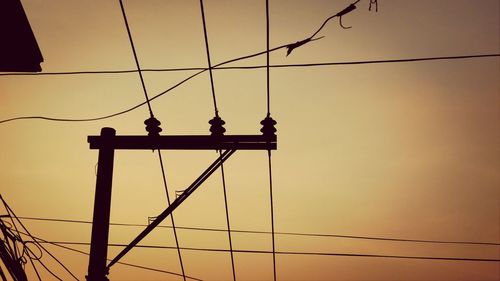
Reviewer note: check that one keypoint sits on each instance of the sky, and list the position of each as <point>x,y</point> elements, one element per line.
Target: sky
<point>402,150</point>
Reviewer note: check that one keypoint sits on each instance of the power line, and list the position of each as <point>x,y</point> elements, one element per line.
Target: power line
<point>181,263</point>
<point>13,216</point>
<point>153,129</point>
<point>217,129</point>
<point>61,245</point>
<point>205,33</point>
<point>293,252</point>
<point>325,235</point>
<point>135,58</point>
<point>218,66</point>
<point>296,65</point>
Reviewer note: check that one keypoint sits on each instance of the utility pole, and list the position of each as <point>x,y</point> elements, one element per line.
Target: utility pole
<point>108,142</point>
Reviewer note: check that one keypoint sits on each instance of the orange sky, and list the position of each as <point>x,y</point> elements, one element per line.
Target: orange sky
<point>408,150</point>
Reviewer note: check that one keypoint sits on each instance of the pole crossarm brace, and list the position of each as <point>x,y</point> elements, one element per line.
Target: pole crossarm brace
<point>202,142</point>
<point>188,191</point>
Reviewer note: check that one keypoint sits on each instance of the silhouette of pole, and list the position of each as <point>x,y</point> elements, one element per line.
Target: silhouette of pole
<point>107,142</point>
<point>102,204</point>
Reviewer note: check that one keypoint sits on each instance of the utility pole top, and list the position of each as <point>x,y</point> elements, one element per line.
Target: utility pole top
<point>107,142</point>
<point>108,139</point>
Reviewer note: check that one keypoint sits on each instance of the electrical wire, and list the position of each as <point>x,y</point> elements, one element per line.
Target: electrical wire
<point>61,245</point>
<point>288,46</point>
<point>267,61</point>
<point>205,33</point>
<point>297,65</point>
<point>227,218</point>
<point>339,15</point>
<point>205,175</point>
<point>296,252</point>
<point>212,84</point>
<point>171,216</point>
<point>272,211</point>
<point>13,215</point>
<point>34,269</point>
<point>268,103</point>
<point>152,117</point>
<point>218,66</point>
<point>325,235</point>
<point>136,59</point>
<point>50,271</point>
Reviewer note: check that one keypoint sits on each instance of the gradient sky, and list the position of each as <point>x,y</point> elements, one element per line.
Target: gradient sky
<point>408,150</point>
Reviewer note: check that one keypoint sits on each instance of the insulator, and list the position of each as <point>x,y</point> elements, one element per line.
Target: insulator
<point>153,126</point>
<point>268,128</point>
<point>216,126</point>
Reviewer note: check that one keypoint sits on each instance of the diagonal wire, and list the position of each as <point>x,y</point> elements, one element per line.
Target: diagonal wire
<point>218,66</point>
<point>136,59</point>
<point>171,215</point>
<point>34,268</point>
<point>159,152</point>
<point>272,211</point>
<point>205,33</point>
<point>227,218</point>
<point>208,57</point>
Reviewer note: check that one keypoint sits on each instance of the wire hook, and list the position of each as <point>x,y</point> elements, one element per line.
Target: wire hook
<point>343,26</point>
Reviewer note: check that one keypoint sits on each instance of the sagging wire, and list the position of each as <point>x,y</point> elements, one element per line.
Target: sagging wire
<point>289,46</point>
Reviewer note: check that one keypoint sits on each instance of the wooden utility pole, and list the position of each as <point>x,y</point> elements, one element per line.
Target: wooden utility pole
<point>108,142</point>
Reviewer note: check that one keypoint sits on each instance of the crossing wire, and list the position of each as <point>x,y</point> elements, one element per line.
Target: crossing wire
<point>61,245</point>
<point>325,235</point>
<point>205,33</point>
<point>171,216</point>
<point>219,66</point>
<point>159,151</point>
<point>299,253</point>
<point>289,46</point>
<point>288,65</point>
<point>13,216</point>
<point>136,59</point>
